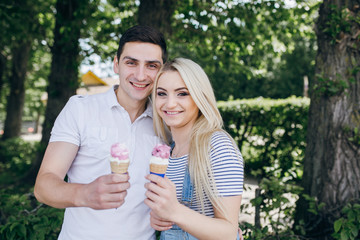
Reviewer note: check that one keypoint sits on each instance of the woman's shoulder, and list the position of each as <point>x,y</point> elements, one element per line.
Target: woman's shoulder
<point>220,138</point>
<point>223,147</point>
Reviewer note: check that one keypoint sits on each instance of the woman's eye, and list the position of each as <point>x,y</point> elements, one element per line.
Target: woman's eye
<point>183,94</point>
<point>161,94</point>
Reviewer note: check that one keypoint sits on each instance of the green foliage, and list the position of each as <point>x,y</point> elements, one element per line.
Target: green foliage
<point>33,19</point>
<point>330,87</point>
<point>338,22</point>
<point>277,206</point>
<point>348,226</point>
<point>16,157</point>
<point>270,133</point>
<point>239,44</point>
<point>23,218</point>
<point>287,76</point>
<point>356,136</point>
<point>277,199</point>
<point>252,232</point>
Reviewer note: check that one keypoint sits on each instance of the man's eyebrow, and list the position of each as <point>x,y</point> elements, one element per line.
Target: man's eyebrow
<point>130,58</point>
<point>153,62</point>
<point>136,60</point>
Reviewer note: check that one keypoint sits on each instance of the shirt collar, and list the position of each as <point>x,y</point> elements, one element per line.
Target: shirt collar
<point>112,102</point>
<point>110,96</point>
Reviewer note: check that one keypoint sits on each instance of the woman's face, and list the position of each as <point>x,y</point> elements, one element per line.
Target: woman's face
<point>173,101</point>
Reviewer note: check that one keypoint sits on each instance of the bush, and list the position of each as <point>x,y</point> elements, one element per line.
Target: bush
<point>347,227</point>
<point>276,202</point>
<point>22,217</point>
<point>271,134</point>
<point>16,156</point>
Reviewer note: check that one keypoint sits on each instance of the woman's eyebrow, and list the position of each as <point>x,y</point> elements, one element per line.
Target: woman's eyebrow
<point>176,90</point>
<point>160,88</point>
<point>182,88</point>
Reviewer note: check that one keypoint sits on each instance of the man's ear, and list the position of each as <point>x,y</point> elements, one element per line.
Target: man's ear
<point>116,65</point>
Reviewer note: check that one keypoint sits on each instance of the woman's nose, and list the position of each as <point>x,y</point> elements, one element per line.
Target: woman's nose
<point>171,101</point>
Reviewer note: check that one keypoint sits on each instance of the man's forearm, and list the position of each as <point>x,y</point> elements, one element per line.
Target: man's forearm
<point>55,192</point>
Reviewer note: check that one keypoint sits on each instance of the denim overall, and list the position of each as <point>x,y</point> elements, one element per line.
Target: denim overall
<point>176,233</point>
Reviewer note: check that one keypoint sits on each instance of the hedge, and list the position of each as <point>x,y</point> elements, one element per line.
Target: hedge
<point>271,134</point>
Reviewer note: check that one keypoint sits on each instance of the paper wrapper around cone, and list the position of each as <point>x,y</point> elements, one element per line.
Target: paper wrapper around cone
<point>119,167</point>
<point>158,169</point>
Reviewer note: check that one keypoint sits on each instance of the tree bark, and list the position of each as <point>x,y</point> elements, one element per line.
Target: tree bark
<point>63,78</point>
<point>2,72</point>
<point>15,103</point>
<point>332,166</point>
<point>157,14</point>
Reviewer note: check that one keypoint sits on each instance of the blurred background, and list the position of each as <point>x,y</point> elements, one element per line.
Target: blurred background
<point>285,74</point>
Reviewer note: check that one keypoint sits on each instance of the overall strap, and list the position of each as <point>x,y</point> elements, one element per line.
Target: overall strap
<point>187,189</point>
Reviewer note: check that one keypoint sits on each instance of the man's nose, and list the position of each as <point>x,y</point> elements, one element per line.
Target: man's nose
<point>140,73</point>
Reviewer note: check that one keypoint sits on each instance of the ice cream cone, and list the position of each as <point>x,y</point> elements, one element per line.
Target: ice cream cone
<point>158,169</point>
<point>119,159</point>
<point>119,167</point>
<point>159,159</point>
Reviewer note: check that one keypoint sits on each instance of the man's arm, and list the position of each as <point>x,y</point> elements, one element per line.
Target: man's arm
<point>105,192</point>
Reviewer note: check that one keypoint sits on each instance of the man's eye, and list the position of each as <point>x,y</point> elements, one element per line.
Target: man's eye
<point>153,66</point>
<point>130,63</point>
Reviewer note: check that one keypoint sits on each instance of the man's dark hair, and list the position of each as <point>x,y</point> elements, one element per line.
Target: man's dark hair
<point>144,34</point>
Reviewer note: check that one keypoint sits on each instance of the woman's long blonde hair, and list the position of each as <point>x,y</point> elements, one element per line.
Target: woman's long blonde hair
<point>208,122</point>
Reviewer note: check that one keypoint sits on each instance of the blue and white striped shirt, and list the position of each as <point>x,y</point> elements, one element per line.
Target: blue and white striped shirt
<point>227,166</point>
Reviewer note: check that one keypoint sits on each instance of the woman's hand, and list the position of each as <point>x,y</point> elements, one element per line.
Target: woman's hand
<point>161,198</point>
<point>159,224</point>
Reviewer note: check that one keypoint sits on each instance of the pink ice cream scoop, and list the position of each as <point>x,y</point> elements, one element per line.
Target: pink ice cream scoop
<point>161,151</point>
<point>160,159</point>
<point>120,151</point>
<point>119,159</point>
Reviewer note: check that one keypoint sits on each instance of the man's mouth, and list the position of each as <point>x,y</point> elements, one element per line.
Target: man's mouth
<point>139,85</point>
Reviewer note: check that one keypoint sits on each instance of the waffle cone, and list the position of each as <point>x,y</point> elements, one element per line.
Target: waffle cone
<point>119,167</point>
<point>157,168</point>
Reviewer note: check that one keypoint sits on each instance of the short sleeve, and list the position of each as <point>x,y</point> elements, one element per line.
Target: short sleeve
<point>227,165</point>
<point>67,125</point>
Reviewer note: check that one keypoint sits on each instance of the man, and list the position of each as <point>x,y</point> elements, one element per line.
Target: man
<point>101,205</point>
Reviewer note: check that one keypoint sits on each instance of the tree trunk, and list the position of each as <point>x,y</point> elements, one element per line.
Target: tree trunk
<point>2,72</point>
<point>157,14</point>
<point>331,166</point>
<point>15,103</point>
<point>63,79</point>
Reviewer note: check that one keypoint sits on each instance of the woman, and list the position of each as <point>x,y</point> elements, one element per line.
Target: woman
<point>200,196</point>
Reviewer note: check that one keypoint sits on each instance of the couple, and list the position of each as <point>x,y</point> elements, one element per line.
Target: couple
<point>201,194</point>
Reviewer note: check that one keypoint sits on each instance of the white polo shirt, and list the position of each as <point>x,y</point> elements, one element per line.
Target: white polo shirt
<point>94,123</point>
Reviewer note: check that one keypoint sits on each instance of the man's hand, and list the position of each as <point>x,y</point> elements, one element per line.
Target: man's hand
<point>106,192</point>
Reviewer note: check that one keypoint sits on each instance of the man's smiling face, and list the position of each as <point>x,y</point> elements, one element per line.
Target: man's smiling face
<point>137,68</point>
